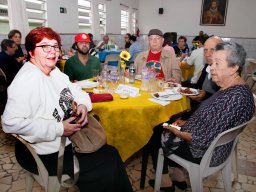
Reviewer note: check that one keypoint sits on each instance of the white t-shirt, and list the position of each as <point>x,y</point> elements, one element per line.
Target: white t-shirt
<point>196,58</point>
<point>37,104</point>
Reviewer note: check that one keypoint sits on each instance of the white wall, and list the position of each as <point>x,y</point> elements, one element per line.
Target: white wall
<point>63,22</point>
<point>68,23</point>
<point>183,17</point>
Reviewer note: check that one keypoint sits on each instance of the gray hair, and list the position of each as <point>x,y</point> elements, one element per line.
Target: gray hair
<point>236,56</point>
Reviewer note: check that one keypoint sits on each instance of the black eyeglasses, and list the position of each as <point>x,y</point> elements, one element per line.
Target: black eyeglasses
<point>48,48</point>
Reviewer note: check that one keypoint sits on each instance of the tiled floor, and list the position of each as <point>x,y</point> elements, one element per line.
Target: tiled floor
<point>12,176</point>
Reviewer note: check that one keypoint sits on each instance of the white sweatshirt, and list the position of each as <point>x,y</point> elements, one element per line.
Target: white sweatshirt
<point>36,105</point>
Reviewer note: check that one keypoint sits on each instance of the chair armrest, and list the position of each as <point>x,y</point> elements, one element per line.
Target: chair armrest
<point>40,166</point>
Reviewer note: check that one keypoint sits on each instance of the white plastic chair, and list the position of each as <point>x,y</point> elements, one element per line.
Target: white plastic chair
<point>235,154</point>
<point>113,57</point>
<point>3,81</point>
<point>197,172</point>
<point>49,183</point>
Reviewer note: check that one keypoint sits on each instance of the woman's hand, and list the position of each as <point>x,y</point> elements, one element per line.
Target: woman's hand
<point>179,122</point>
<point>198,97</point>
<point>70,128</point>
<point>81,111</point>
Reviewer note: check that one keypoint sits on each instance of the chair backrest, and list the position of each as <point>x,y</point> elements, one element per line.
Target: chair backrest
<point>231,135</point>
<point>3,81</point>
<point>113,57</point>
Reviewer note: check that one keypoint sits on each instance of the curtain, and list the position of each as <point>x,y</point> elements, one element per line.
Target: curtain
<point>18,18</point>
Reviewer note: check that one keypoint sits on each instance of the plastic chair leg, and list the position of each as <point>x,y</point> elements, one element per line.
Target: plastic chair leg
<point>159,171</point>
<point>53,184</point>
<point>196,181</point>
<point>227,178</point>
<point>144,164</point>
<point>235,164</point>
<point>29,182</point>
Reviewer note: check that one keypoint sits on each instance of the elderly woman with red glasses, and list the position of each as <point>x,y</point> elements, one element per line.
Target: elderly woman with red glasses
<point>39,100</point>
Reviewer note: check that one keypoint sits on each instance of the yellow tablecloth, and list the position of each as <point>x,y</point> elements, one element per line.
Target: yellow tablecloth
<point>129,122</point>
<point>60,64</point>
<point>187,72</point>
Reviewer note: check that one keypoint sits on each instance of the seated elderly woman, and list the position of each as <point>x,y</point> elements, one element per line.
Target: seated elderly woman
<point>39,100</point>
<point>231,106</point>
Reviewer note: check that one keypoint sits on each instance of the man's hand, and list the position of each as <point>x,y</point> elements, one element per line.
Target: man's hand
<point>199,97</point>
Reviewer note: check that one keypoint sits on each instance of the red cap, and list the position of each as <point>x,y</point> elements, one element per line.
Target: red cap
<point>82,37</point>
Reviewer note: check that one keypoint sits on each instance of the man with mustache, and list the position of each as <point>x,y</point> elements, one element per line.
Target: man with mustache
<point>81,65</point>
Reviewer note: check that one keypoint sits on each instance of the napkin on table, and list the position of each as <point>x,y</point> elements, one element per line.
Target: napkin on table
<point>163,103</point>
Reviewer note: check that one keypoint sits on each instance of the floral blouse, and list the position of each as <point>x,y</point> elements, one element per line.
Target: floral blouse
<point>224,110</point>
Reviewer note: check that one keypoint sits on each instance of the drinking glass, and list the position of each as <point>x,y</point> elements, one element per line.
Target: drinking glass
<point>113,80</point>
<point>95,74</point>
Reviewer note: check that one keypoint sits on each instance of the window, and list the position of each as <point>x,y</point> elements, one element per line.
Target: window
<point>133,20</point>
<point>4,21</point>
<point>102,17</point>
<point>36,10</point>
<point>124,20</point>
<point>85,16</point>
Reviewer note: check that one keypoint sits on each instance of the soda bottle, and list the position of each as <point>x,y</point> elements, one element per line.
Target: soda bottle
<point>131,73</point>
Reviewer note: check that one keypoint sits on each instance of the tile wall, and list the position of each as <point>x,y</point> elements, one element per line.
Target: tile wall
<point>248,43</point>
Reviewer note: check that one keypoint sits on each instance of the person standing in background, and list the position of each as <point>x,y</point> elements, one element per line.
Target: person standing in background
<point>15,35</point>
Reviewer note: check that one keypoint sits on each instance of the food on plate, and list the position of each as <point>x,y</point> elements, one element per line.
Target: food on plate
<point>187,91</point>
<point>169,84</point>
<point>165,125</point>
<point>156,95</point>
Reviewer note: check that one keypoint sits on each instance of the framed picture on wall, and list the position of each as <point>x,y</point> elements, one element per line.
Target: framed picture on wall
<point>213,12</point>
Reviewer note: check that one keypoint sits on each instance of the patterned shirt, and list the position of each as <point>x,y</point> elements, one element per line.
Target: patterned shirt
<point>224,110</point>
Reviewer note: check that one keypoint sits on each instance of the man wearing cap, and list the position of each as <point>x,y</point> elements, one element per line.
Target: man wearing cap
<point>157,59</point>
<point>81,65</point>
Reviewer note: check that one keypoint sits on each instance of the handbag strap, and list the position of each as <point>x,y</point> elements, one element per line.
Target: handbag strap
<point>72,181</point>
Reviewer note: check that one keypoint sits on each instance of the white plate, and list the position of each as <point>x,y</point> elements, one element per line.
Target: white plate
<point>138,77</point>
<point>169,85</point>
<point>87,84</point>
<point>171,97</point>
<point>195,91</point>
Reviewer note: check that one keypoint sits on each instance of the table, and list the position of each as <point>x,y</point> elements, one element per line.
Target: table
<point>60,64</point>
<point>103,54</point>
<point>129,122</point>
<point>187,72</point>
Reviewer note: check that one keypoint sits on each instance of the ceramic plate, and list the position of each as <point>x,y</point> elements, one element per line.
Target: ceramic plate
<point>188,91</point>
<point>169,85</point>
<point>166,96</point>
<point>138,77</point>
<point>85,84</point>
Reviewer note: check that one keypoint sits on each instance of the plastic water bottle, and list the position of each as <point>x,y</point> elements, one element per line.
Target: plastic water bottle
<point>131,73</point>
<point>144,79</point>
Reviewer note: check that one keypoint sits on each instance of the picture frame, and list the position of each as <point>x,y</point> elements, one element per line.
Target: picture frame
<point>213,12</point>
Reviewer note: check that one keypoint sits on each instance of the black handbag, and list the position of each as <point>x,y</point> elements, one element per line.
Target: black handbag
<point>170,142</point>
